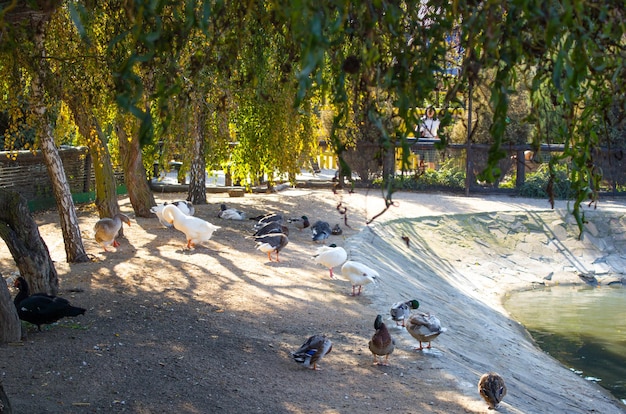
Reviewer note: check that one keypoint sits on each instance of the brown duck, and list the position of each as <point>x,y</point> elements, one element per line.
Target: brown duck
<point>492,388</point>
<point>381,344</point>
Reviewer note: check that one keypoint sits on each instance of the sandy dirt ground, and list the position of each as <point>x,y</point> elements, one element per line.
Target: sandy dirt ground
<point>208,330</point>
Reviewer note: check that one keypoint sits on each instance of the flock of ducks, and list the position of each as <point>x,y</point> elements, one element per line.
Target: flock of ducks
<point>271,235</point>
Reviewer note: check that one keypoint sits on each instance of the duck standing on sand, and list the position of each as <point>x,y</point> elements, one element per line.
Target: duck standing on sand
<point>424,327</point>
<point>359,274</point>
<point>271,242</point>
<point>40,308</point>
<point>381,344</point>
<point>312,351</point>
<point>492,388</point>
<point>106,230</point>
<point>400,311</point>
<point>330,256</point>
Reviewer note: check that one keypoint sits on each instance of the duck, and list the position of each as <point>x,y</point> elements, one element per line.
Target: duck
<point>196,230</point>
<point>400,311</point>
<point>424,327</point>
<point>267,218</point>
<point>492,389</point>
<point>381,344</point>
<point>271,242</point>
<point>330,256</point>
<point>230,213</point>
<point>359,274</point>
<point>40,308</point>
<point>272,227</point>
<point>320,231</point>
<point>301,223</point>
<point>312,351</point>
<point>336,231</point>
<point>185,206</point>
<point>106,230</point>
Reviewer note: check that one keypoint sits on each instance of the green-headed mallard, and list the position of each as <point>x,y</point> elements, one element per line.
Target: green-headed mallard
<point>271,242</point>
<point>424,327</point>
<point>300,222</point>
<point>492,388</point>
<point>312,351</point>
<point>196,230</point>
<point>106,229</point>
<point>359,274</point>
<point>330,256</point>
<point>400,311</point>
<point>381,344</point>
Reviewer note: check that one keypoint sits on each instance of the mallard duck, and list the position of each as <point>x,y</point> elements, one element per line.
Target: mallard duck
<point>330,256</point>
<point>271,242</point>
<point>320,231</point>
<point>400,311</point>
<point>492,388</point>
<point>267,218</point>
<point>312,351</point>
<point>272,227</point>
<point>39,308</point>
<point>230,213</point>
<point>381,344</point>
<point>300,222</point>
<point>196,230</point>
<point>424,327</point>
<point>359,274</point>
<point>106,229</point>
<point>185,206</point>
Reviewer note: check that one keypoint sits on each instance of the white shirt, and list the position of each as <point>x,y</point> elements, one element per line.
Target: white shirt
<point>429,128</point>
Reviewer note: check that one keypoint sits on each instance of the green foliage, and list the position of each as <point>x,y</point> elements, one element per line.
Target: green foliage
<point>448,177</point>
<point>536,184</point>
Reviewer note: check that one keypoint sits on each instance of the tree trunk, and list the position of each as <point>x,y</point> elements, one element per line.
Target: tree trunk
<point>89,128</point>
<point>74,250</point>
<point>135,177</point>
<point>10,325</point>
<point>21,235</point>
<point>5,406</point>
<point>197,178</point>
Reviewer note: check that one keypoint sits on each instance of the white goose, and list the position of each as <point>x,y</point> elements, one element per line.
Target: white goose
<point>359,274</point>
<point>185,206</point>
<point>330,256</point>
<point>196,230</point>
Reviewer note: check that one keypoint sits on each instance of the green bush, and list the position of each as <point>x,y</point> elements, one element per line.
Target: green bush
<point>536,183</point>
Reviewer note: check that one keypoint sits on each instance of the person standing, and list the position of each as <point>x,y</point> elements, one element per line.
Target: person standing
<point>429,127</point>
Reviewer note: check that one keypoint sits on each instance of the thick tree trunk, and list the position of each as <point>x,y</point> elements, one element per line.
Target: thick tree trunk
<point>21,235</point>
<point>10,326</point>
<point>197,176</point>
<point>74,250</point>
<point>135,177</point>
<point>89,128</point>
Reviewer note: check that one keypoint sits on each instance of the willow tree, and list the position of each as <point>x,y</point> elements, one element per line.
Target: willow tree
<point>25,45</point>
<point>88,91</point>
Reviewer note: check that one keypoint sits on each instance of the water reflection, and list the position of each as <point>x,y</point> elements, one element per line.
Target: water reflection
<point>584,328</point>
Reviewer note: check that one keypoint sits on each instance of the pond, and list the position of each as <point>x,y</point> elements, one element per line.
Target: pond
<point>583,327</point>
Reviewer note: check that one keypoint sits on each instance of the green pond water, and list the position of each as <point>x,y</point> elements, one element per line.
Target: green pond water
<point>583,327</point>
